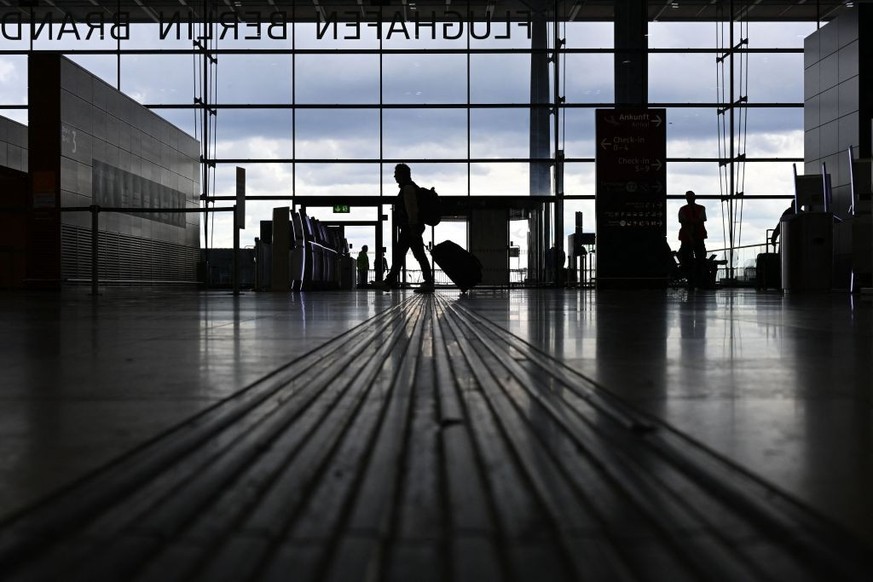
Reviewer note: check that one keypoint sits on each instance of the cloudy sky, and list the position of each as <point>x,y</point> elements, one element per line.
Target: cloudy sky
<point>441,79</point>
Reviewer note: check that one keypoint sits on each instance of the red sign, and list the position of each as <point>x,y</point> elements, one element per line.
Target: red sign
<point>631,202</point>
<point>631,169</point>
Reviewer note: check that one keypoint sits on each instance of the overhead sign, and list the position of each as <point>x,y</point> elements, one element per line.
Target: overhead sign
<point>341,208</point>
<point>240,198</point>
<point>631,169</point>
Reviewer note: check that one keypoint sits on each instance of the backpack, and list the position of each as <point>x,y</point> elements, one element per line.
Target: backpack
<point>429,206</point>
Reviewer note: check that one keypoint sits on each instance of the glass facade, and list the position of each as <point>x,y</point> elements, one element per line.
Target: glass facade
<point>329,108</point>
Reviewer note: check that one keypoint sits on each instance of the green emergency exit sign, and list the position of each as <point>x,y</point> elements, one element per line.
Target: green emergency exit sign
<point>341,208</point>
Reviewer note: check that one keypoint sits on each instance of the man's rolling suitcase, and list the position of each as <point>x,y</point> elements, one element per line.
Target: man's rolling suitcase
<point>462,267</point>
<point>768,271</point>
<point>768,268</point>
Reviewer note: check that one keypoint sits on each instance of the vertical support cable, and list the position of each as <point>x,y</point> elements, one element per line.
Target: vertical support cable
<point>392,233</point>
<point>294,25</point>
<point>732,132</point>
<point>469,123</point>
<point>731,152</point>
<point>208,86</point>
<point>722,127</point>
<point>200,45</point>
<point>381,110</point>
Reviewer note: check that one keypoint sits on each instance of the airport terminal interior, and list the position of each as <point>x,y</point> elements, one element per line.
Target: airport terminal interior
<point>173,408</point>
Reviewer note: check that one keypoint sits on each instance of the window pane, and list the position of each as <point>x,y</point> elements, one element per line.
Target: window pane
<point>692,133</point>
<point>188,120</point>
<point>261,180</point>
<point>156,79</point>
<point>508,179</point>
<point>590,35</point>
<point>425,78</point>
<point>337,79</point>
<point>253,79</point>
<point>785,35</point>
<point>331,179</point>
<point>697,84</point>
<point>105,67</point>
<point>578,133</point>
<point>579,180</point>
<point>500,78</point>
<point>425,133</point>
<point>684,34</point>
<point>337,133</point>
<point>775,78</point>
<point>769,179</point>
<point>500,133</point>
<point>775,133</point>
<point>589,78</point>
<point>256,133</point>
<point>571,207</point>
<point>13,89</point>
<point>702,177</point>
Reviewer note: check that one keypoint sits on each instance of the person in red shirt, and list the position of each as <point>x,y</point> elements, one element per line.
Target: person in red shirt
<point>692,234</point>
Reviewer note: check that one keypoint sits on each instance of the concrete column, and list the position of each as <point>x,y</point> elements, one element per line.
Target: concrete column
<point>540,135</point>
<point>631,58</point>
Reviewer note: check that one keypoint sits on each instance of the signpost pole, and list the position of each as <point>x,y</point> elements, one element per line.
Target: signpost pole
<point>239,222</point>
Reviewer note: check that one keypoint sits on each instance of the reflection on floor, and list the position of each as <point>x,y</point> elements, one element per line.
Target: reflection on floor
<point>135,381</point>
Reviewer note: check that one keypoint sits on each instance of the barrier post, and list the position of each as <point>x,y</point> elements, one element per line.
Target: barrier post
<point>239,222</point>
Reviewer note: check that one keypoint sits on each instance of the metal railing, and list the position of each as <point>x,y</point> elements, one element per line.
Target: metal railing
<point>744,268</point>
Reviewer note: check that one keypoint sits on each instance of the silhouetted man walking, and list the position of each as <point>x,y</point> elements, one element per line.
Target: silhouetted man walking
<point>411,229</point>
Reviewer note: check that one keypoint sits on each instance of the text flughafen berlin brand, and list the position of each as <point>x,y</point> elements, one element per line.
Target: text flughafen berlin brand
<point>450,25</point>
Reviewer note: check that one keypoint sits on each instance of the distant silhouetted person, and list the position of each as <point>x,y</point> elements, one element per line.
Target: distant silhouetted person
<point>692,234</point>
<point>363,263</point>
<point>411,230</point>
<point>790,211</point>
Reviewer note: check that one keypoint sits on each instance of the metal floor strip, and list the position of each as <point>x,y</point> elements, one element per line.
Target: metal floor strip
<point>721,522</point>
<point>430,444</point>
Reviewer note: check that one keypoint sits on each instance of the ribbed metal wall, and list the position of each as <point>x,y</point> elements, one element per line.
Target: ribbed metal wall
<point>125,259</point>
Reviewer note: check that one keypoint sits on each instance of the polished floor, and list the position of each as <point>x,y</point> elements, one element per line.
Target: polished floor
<point>779,387</point>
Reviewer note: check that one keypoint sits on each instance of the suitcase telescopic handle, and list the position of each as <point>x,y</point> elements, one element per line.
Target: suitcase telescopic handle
<point>767,242</point>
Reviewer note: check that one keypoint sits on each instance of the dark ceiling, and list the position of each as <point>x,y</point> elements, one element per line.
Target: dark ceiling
<point>308,10</point>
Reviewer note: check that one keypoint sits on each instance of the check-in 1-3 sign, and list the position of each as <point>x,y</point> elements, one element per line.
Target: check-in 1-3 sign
<point>631,170</point>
